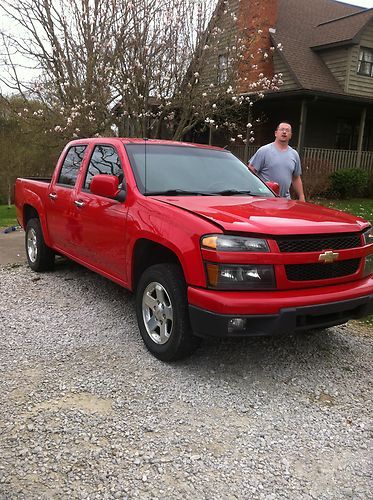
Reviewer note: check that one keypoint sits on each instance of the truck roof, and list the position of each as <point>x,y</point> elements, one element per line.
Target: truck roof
<point>166,143</point>
<point>132,140</point>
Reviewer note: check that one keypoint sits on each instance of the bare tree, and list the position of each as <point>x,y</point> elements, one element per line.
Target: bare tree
<point>136,65</point>
<point>73,44</point>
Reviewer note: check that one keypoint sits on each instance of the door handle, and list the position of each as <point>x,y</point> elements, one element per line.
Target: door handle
<point>79,203</point>
<point>53,196</point>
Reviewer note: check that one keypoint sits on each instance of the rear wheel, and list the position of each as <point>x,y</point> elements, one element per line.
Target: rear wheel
<point>162,313</point>
<point>39,256</point>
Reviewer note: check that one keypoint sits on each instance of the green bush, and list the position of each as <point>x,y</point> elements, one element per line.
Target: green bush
<point>349,182</point>
<point>369,190</point>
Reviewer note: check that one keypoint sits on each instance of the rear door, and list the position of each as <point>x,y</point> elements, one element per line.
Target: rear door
<point>61,218</point>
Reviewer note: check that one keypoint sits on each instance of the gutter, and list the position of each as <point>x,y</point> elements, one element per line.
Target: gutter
<point>312,94</point>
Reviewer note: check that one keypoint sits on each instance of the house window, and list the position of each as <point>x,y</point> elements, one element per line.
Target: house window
<point>222,68</point>
<point>365,63</point>
<point>347,134</point>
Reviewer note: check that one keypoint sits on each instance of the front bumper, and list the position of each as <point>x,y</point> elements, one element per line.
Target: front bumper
<point>288,320</point>
<point>277,313</point>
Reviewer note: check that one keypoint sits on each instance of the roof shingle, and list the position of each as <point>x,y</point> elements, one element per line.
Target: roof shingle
<point>303,25</point>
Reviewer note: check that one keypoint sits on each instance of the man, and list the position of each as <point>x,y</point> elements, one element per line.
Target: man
<point>279,162</point>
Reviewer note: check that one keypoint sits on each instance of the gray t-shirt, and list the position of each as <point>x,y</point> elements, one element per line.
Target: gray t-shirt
<point>272,164</point>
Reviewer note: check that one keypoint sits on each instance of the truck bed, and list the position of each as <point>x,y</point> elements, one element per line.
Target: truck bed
<point>40,179</point>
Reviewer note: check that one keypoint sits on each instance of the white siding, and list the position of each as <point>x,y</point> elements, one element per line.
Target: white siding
<point>220,44</point>
<point>337,61</point>
<point>358,84</point>
<point>280,66</point>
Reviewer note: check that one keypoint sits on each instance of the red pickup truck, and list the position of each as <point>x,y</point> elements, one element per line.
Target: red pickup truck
<point>209,249</point>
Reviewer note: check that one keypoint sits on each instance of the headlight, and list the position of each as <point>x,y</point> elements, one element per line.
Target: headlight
<point>240,277</point>
<point>228,243</point>
<point>368,236</point>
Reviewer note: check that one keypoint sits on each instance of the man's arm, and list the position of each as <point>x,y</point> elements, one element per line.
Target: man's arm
<point>298,187</point>
<point>256,161</point>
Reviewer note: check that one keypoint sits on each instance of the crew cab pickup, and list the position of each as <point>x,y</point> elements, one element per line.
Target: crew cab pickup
<point>208,248</point>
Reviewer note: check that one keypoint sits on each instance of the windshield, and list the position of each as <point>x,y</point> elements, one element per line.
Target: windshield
<point>183,170</point>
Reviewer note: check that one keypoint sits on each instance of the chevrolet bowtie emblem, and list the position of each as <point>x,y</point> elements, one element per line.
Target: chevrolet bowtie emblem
<point>328,257</point>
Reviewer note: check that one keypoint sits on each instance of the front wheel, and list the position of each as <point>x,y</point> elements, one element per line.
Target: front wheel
<point>39,256</point>
<point>162,313</point>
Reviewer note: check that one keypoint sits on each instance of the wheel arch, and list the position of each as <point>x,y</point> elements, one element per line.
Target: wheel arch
<point>29,212</point>
<point>35,210</point>
<point>147,253</point>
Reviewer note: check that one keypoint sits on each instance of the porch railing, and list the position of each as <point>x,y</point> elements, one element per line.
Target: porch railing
<point>335,159</point>
<point>320,160</point>
<point>239,150</point>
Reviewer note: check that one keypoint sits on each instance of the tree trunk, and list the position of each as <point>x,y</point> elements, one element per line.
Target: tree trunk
<point>9,192</point>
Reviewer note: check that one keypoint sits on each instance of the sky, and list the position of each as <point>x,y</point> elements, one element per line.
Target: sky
<point>361,3</point>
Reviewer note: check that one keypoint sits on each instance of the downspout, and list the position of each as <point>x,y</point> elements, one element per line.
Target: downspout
<point>302,127</point>
<point>361,136</point>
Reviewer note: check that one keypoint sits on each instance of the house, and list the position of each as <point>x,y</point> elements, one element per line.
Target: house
<point>326,64</point>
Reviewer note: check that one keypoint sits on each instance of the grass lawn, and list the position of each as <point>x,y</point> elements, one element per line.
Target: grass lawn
<point>362,207</point>
<point>7,216</point>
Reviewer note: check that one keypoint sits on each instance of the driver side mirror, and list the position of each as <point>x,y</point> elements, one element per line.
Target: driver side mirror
<point>107,186</point>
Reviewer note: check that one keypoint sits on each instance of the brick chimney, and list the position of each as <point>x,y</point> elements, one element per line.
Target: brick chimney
<point>255,18</point>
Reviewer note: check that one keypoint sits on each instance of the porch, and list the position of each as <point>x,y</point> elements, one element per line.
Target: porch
<point>319,163</point>
<point>320,160</point>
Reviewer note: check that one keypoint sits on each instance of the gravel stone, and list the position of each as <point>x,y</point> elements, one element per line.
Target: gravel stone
<point>87,413</point>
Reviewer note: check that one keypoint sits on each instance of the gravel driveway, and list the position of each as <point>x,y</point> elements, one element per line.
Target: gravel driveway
<point>86,412</point>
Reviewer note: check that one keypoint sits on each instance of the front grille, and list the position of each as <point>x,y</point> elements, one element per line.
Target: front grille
<point>318,244</point>
<point>308,272</point>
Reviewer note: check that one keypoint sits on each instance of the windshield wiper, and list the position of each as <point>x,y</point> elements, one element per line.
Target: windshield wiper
<point>230,192</point>
<point>178,192</point>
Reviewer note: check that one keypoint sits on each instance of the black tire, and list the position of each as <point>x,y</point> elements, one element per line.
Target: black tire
<point>39,256</point>
<point>166,329</point>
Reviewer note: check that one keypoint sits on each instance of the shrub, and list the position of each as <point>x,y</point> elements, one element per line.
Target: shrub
<point>369,190</point>
<point>349,182</point>
<point>315,177</point>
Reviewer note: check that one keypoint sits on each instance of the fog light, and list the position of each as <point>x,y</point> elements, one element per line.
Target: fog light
<point>236,325</point>
<point>368,268</point>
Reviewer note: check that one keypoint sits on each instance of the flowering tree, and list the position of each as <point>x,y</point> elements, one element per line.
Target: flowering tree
<point>140,66</point>
<point>72,44</point>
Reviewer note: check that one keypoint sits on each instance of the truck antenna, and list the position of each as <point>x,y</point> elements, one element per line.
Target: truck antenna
<point>146,140</point>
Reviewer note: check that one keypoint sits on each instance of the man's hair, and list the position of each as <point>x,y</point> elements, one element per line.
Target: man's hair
<point>287,123</point>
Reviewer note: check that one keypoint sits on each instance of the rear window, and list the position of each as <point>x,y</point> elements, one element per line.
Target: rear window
<point>71,165</point>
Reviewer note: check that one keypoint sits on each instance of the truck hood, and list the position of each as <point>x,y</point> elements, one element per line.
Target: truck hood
<point>272,216</point>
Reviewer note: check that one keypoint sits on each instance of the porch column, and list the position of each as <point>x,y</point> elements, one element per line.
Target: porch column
<point>302,126</point>
<point>361,136</point>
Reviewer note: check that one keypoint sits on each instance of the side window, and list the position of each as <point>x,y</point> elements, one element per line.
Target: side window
<point>104,160</point>
<point>71,165</point>
<point>365,63</point>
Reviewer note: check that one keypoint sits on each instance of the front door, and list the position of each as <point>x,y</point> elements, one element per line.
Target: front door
<point>101,222</point>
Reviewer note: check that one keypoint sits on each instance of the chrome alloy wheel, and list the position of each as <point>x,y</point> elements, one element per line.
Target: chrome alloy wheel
<point>157,313</point>
<point>32,246</point>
